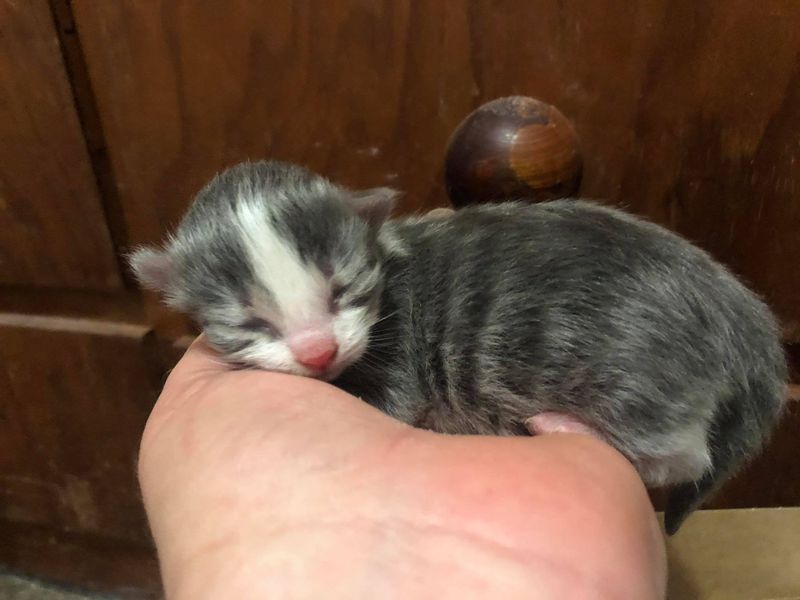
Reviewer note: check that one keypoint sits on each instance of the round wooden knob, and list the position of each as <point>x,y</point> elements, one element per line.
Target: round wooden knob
<point>512,148</point>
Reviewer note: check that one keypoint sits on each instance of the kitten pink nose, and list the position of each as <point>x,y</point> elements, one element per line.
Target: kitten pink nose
<point>313,348</point>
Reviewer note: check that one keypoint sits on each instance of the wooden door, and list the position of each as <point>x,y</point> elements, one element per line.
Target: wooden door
<point>113,114</point>
<point>78,375</point>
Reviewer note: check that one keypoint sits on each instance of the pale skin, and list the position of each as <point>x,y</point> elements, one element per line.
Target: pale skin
<point>262,485</point>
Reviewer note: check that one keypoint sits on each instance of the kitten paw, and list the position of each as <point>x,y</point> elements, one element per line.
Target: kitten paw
<point>553,422</point>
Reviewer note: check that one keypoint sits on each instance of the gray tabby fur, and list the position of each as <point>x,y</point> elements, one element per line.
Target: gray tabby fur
<point>482,319</point>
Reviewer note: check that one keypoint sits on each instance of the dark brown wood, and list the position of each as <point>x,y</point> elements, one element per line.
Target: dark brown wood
<point>687,112</point>
<point>515,147</point>
<point>92,129</point>
<point>91,563</point>
<point>74,397</point>
<point>52,227</point>
<point>86,562</point>
<point>793,356</point>
<point>124,306</point>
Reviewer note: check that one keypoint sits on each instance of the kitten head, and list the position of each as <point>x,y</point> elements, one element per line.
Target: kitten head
<point>280,267</point>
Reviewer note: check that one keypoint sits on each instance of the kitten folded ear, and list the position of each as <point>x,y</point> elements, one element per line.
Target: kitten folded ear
<point>153,268</point>
<point>374,205</point>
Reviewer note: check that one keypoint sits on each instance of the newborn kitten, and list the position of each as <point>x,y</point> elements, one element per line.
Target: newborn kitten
<point>499,319</point>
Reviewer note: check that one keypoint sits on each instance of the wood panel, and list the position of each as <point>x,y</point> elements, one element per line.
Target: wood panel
<point>74,397</point>
<point>87,562</point>
<point>688,111</point>
<point>52,227</point>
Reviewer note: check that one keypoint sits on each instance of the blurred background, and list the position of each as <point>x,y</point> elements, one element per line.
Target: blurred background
<point>114,113</point>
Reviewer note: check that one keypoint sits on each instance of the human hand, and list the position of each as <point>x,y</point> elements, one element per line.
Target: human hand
<point>264,485</point>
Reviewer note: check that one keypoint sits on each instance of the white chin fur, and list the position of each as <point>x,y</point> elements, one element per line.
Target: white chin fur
<point>272,356</point>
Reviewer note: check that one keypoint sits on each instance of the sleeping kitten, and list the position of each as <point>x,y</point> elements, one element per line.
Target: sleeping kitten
<point>499,319</point>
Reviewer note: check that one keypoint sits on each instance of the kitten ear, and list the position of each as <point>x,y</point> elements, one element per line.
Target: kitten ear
<point>374,205</point>
<point>153,268</point>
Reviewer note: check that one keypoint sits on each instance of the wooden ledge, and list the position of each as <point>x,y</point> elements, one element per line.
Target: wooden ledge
<point>747,554</point>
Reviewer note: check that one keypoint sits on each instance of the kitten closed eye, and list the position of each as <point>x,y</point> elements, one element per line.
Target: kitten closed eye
<point>364,298</point>
<point>357,298</point>
<point>338,290</point>
<point>260,325</point>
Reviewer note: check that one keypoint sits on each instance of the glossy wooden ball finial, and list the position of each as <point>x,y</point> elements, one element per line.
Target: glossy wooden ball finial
<point>512,148</point>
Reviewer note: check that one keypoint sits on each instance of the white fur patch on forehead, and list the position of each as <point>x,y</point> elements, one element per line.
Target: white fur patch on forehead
<point>299,290</point>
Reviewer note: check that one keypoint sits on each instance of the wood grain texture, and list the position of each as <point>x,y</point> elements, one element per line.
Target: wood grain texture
<point>74,397</point>
<point>125,307</point>
<point>92,563</point>
<point>687,111</point>
<point>52,227</point>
